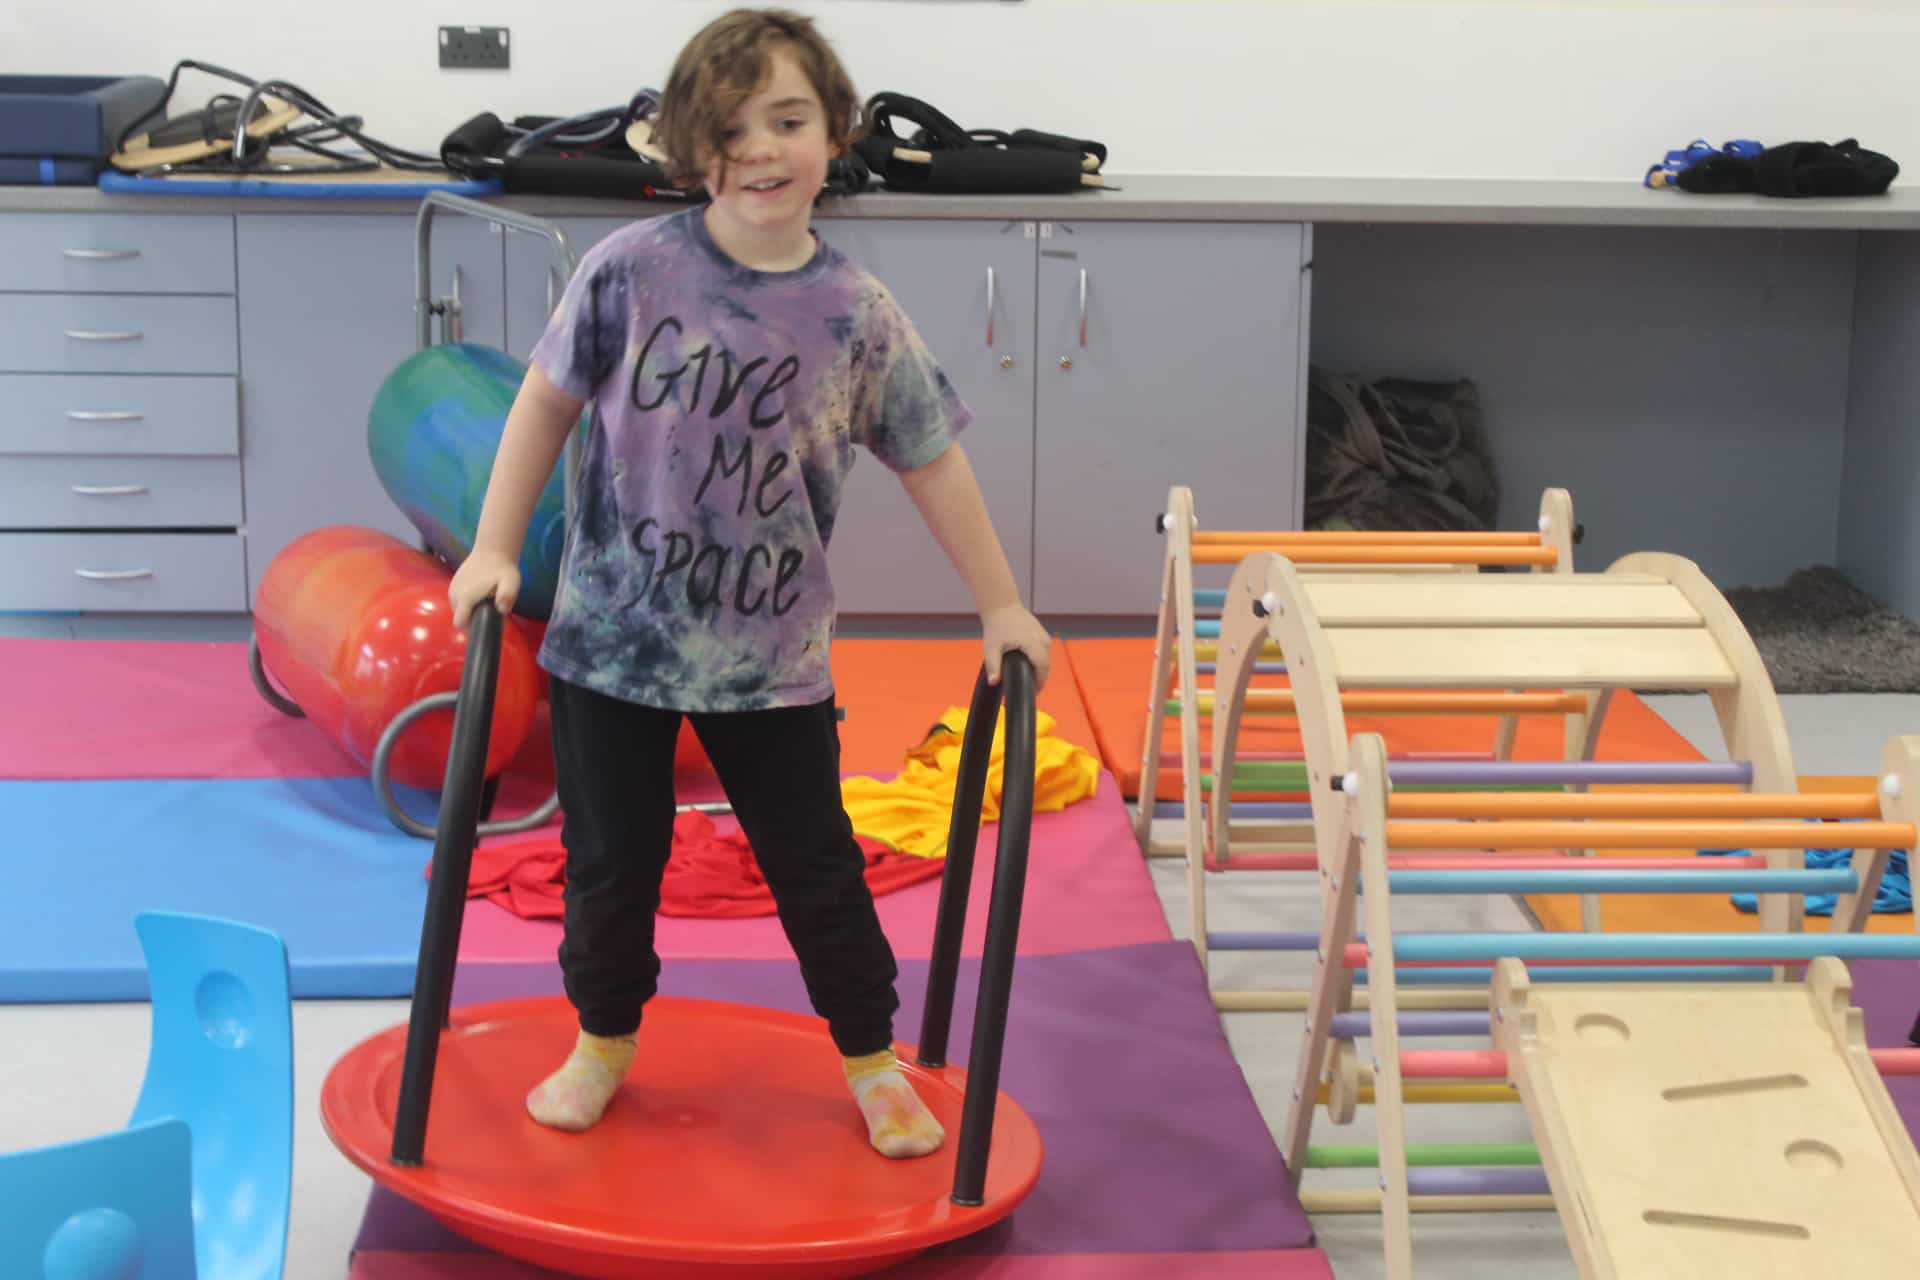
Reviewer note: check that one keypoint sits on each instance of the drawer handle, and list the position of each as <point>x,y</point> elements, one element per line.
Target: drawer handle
<point>112,575</point>
<point>103,335</point>
<point>101,255</point>
<point>107,490</point>
<point>105,415</point>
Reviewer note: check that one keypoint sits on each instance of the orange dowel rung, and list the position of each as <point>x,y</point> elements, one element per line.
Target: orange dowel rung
<point>1625,804</point>
<point>1646,834</point>
<point>1234,553</point>
<point>1364,537</point>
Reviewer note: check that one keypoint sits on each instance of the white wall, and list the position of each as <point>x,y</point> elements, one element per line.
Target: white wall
<point>1521,88</point>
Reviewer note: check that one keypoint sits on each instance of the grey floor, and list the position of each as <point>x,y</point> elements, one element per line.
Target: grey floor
<point>71,1071</point>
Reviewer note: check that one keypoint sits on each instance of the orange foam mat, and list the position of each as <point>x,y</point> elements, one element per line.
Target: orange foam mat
<point>1113,684</point>
<point>894,691</point>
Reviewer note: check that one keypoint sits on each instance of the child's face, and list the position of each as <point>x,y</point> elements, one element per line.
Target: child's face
<point>776,150</point>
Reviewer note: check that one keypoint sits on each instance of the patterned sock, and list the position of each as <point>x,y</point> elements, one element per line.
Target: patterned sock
<point>573,1097</point>
<point>898,1123</point>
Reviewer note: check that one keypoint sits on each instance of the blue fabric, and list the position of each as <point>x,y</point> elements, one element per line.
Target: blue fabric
<point>1896,882</point>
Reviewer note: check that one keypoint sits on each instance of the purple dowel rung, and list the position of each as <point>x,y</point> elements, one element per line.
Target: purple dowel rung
<point>1512,772</point>
<point>1446,1022</point>
<point>1487,1180</point>
<point>1279,810</point>
<point>1231,941</point>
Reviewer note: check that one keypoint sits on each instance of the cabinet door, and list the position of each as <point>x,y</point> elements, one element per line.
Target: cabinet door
<point>1169,353</point>
<point>326,313</point>
<point>969,288</point>
<point>535,278</point>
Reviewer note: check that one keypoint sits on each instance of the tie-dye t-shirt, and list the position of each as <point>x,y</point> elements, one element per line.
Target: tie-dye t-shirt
<point>727,407</point>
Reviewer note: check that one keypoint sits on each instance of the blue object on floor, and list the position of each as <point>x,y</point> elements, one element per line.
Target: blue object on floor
<point>231,184</point>
<point>198,1186</point>
<point>315,860</point>
<point>1894,897</point>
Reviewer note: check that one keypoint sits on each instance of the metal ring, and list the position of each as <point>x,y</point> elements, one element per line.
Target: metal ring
<point>383,778</point>
<point>278,701</point>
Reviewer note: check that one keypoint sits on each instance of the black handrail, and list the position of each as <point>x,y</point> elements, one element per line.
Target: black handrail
<point>1003,909</point>
<point>454,837</point>
<point>458,831</point>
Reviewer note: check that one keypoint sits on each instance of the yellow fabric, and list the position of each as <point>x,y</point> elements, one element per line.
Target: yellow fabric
<point>857,1068</point>
<point>911,813</point>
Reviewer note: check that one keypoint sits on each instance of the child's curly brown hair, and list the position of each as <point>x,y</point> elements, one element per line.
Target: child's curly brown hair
<point>724,64</point>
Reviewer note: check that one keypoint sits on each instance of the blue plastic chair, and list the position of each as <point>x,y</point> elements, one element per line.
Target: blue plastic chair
<point>198,1185</point>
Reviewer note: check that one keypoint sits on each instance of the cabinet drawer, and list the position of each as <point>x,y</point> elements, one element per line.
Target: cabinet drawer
<point>117,253</point>
<point>116,333</point>
<point>95,414</point>
<point>123,572</point>
<point>119,491</point>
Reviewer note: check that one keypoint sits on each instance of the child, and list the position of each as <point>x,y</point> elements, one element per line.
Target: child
<point>734,362</point>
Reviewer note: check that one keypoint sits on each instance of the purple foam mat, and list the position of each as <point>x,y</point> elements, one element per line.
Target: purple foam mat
<point>1153,1141</point>
<point>1887,992</point>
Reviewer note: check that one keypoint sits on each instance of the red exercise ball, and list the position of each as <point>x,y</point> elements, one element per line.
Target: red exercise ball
<point>355,625</point>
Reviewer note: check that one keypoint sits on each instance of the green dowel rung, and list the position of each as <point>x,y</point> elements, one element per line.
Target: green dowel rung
<point>1264,775</point>
<point>1426,1154</point>
<point>1173,709</point>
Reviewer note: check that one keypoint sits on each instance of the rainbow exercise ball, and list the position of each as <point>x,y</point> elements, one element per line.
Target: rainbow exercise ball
<point>433,431</point>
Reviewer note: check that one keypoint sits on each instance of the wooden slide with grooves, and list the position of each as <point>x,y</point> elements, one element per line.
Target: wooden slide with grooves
<point>1738,1131</point>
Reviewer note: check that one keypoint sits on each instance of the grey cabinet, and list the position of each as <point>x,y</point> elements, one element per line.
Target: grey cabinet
<point>120,484</point>
<point>1103,361</point>
<point>968,286</point>
<point>534,280</point>
<point>326,313</point>
<point>1168,353</point>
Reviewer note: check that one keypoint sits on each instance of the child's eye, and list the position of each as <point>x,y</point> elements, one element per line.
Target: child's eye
<point>792,123</point>
<point>729,135</point>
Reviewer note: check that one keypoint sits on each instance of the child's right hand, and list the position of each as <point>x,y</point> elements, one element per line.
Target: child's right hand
<point>483,573</point>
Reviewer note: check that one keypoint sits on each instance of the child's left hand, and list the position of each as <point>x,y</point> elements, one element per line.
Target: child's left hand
<point>1014,628</point>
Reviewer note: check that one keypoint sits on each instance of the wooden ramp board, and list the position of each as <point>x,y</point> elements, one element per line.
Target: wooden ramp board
<point>1713,1130</point>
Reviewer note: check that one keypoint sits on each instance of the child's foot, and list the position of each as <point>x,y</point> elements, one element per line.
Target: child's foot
<point>573,1097</point>
<point>898,1123</point>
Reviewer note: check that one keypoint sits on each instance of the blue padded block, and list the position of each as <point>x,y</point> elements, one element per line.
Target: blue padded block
<point>313,859</point>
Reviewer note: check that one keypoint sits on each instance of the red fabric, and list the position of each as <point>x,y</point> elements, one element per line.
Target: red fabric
<point>708,874</point>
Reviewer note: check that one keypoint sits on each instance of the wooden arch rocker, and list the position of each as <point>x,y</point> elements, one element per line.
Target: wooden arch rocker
<point>1187,646</point>
<point>1560,1003</point>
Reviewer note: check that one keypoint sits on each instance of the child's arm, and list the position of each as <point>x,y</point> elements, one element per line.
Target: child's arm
<point>949,501</point>
<point>530,444</point>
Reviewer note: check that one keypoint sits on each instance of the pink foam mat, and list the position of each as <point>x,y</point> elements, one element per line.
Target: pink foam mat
<point>82,709</point>
<point>1087,886</point>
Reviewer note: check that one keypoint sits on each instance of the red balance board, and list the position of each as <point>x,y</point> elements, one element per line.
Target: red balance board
<point>734,1148</point>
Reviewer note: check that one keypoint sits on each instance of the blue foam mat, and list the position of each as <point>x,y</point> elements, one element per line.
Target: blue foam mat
<point>302,189</point>
<point>314,859</point>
